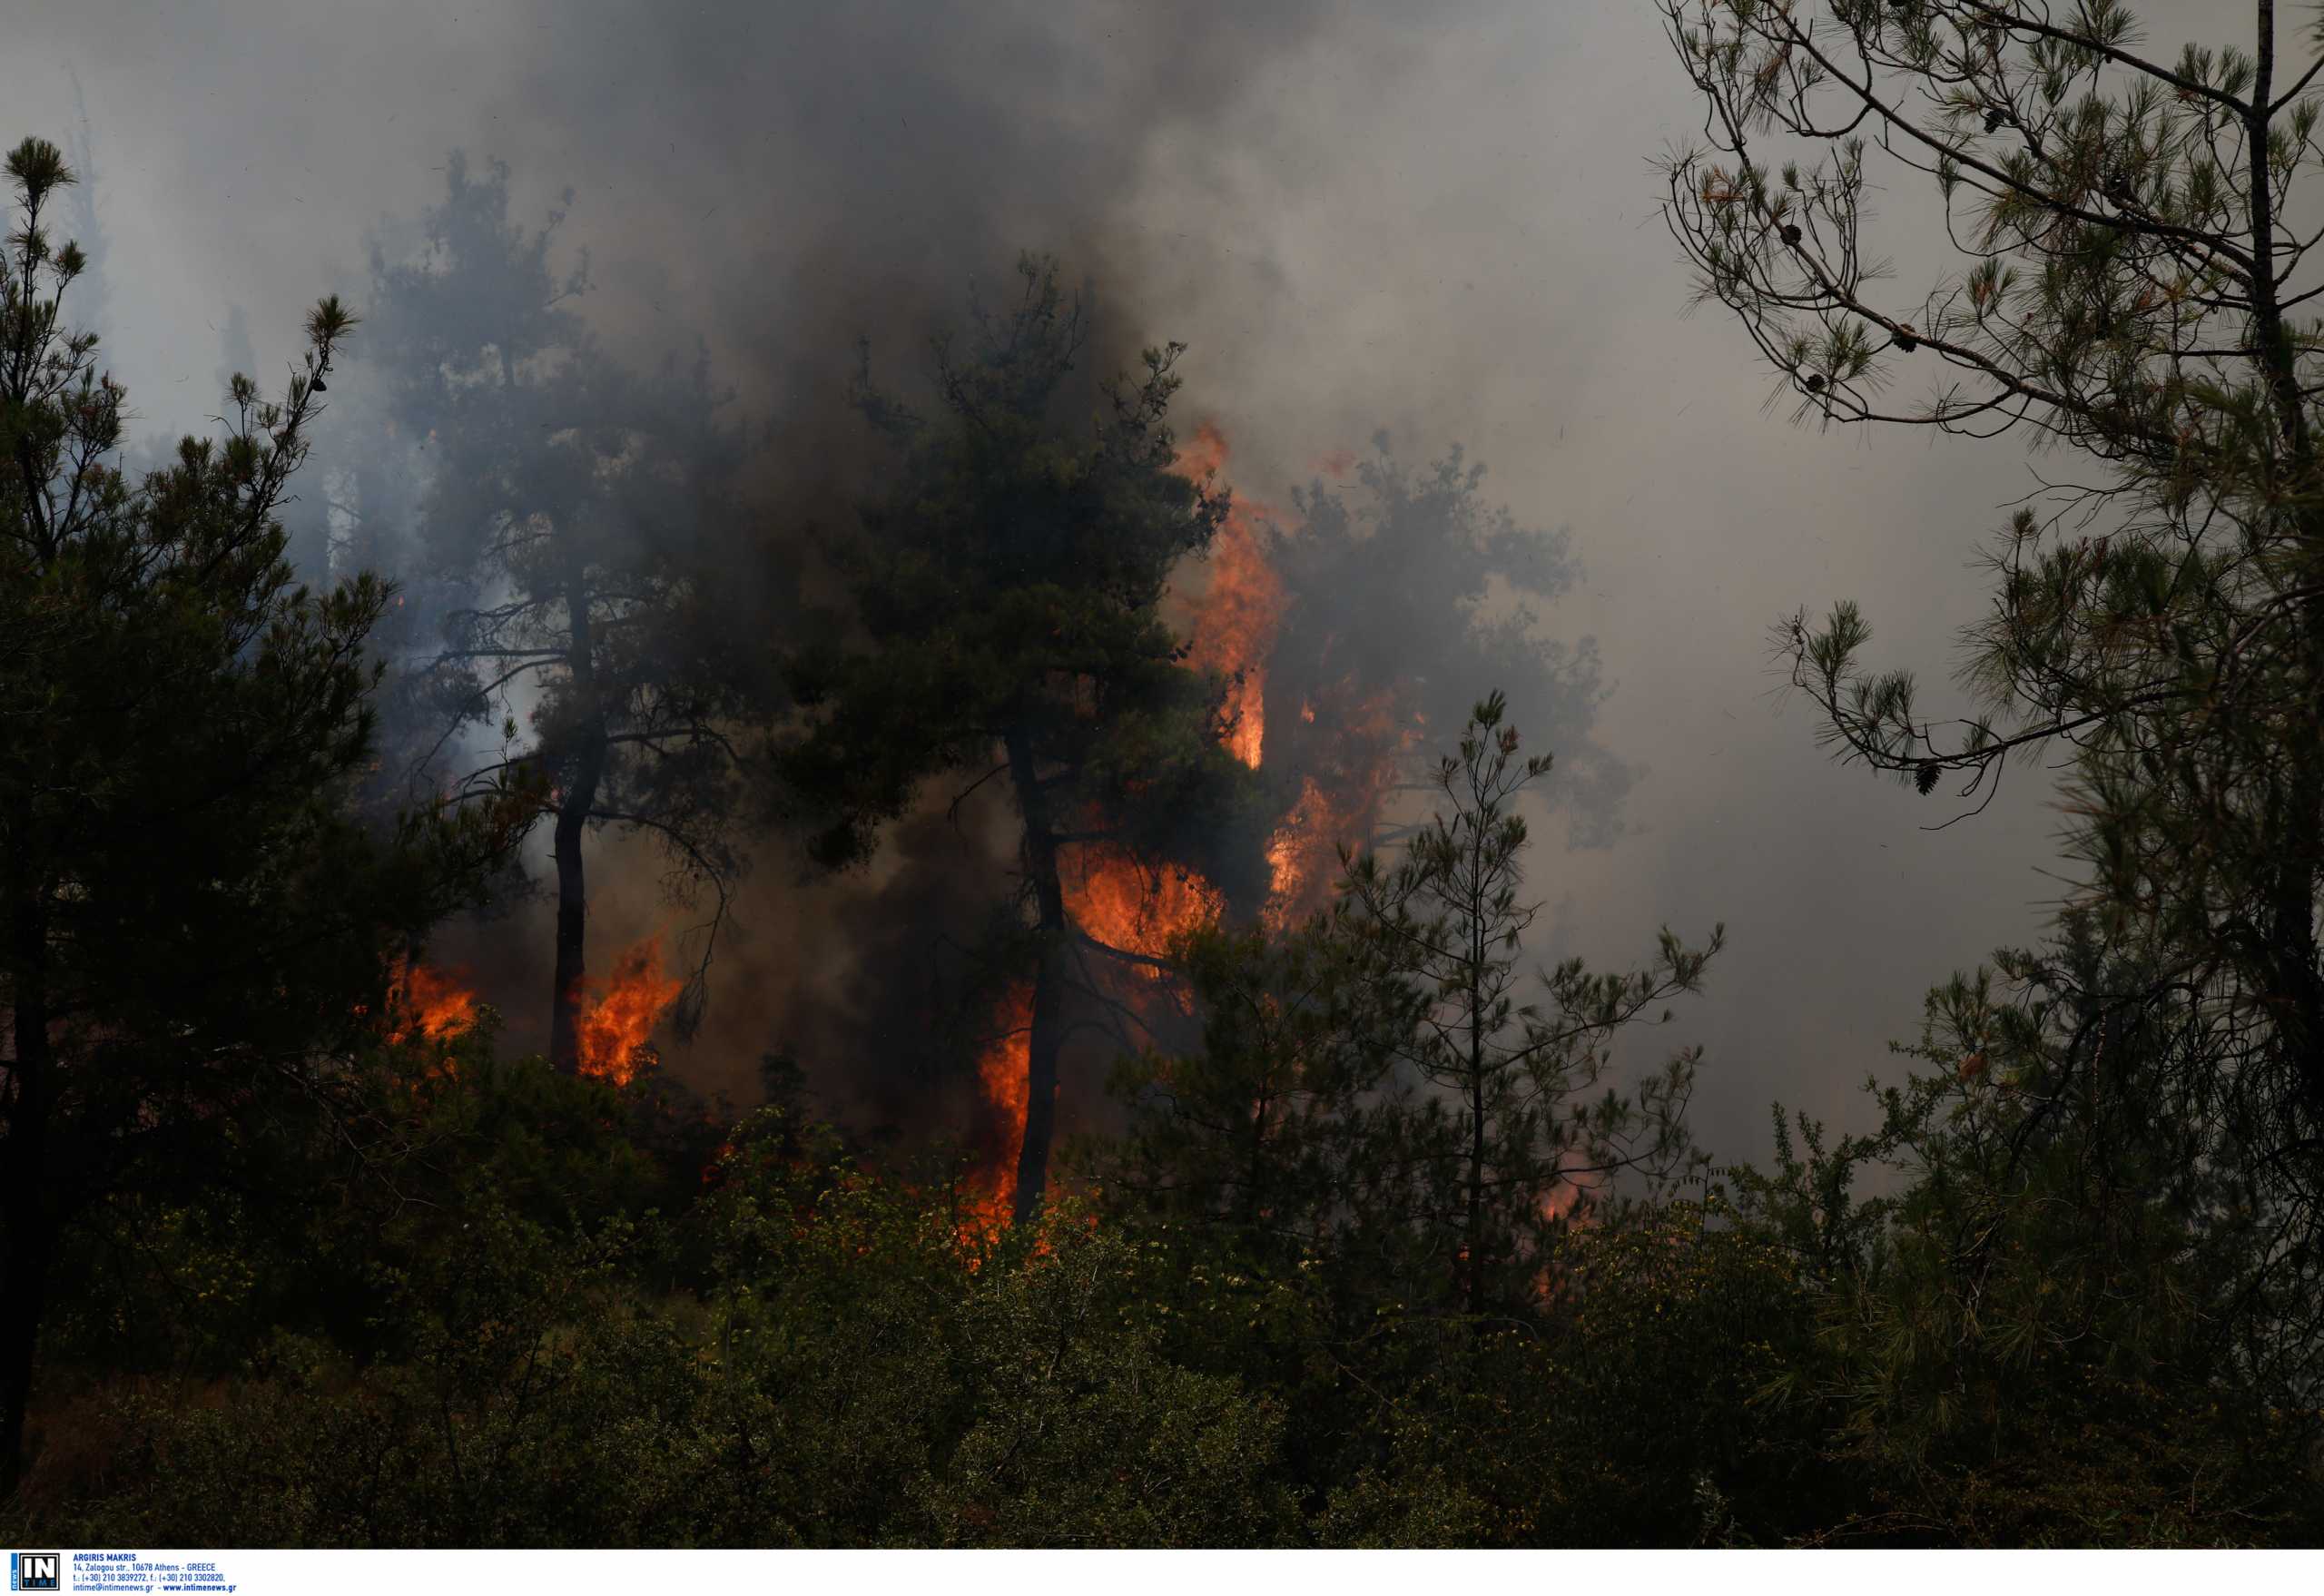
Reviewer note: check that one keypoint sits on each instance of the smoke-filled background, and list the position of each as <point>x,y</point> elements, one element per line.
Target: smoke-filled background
<point>1438,223</point>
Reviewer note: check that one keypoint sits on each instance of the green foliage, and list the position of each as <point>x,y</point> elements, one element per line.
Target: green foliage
<point>846,1370</point>
<point>816,1353</point>
<point>1258,1133</point>
<point>1010,584</point>
<point>1628,1407</point>
<point>535,1405</point>
<point>831,1339</point>
<point>2016,1340</point>
<point>1380,1084</point>
<point>1088,1435</point>
<point>196,913</point>
<point>2128,284</point>
<point>1684,1328</point>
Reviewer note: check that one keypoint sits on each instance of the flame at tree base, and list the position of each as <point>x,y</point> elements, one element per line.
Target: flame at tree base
<point>613,1028</point>
<point>1347,747</point>
<point>1004,1069</point>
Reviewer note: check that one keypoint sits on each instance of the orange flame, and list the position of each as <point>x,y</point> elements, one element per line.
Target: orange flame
<point>1137,908</point>
<point>1296,860</point>
<point>1572,1198</point>
<point>1358,747</point>
<point>431,1003</point>
<point>1127,905</point>
<point>1004,1072</point>
<point>613,1027</point>
<point>1240,610</point>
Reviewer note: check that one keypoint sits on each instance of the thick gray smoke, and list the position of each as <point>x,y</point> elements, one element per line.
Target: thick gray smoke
<point>1435,221</point>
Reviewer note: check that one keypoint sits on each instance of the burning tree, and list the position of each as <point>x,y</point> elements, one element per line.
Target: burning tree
<point>195,919</point>
<point>1408,588</point>
<point>1363,613</point>
<point>1008,589</point>
<point>579,510</point>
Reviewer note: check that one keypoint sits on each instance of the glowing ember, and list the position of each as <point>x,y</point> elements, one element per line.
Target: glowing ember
<point>431,1003</point>
<point>1235,627</point>
<point>613,1027</point>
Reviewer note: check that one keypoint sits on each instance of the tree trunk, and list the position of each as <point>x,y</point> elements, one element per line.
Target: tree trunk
<point>580,797</point>
<point>24,1206</point>
<point>1475,908</point>
<point>572,914</point>
<point>1047,1036</point>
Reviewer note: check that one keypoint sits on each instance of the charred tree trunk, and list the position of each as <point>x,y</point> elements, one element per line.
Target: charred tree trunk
<point>574,805</point>
<point>572,913</point>
<point>25,1207</point>
<point>1048,1035</point>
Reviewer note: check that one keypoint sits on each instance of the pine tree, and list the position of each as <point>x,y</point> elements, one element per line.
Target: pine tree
<point>1007,587</point>
<point>580,530</point>
<point>1389,1081</point>
<point>1508,1072</point>
<point>195,922</point>
<point>2130,287</point>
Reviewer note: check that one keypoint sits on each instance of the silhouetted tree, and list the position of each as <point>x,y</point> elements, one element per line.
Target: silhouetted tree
<point>586,519</point>
<point>2130,287</point>
<point>194,923</point>
<point>2018,1330</point>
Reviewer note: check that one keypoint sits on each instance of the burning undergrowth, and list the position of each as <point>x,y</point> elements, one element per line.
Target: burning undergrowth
<point>618,1016</point>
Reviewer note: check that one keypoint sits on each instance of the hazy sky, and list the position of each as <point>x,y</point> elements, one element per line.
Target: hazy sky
<point>1440,220</point>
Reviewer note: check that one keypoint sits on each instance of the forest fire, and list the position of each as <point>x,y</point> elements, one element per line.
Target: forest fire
<point>1348,760</point>
<point>616,1024</point>
<point>1296,861</point>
